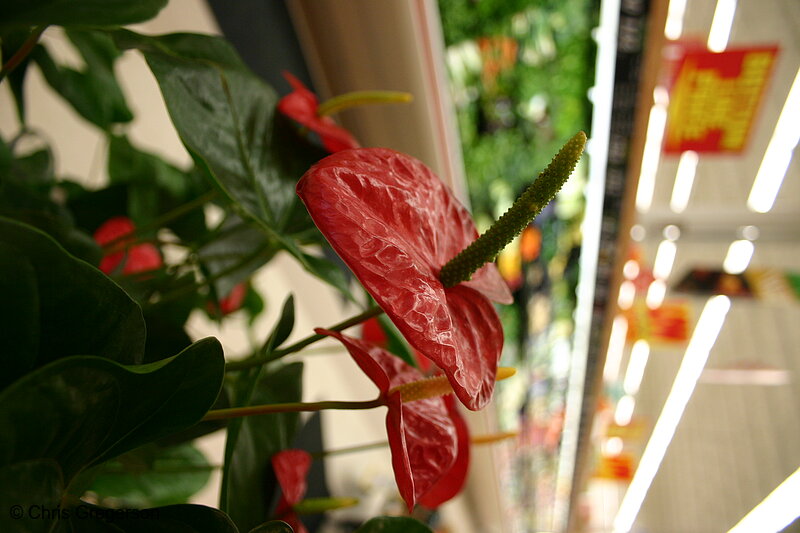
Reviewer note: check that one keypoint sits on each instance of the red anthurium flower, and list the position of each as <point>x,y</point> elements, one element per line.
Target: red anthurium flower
<point>234,300</point>
<point>452,481</point>
<point>422,434</point>
<point>395,225</point>
<point>291,468</point>
<point>137,258</point>
<point>302,105</point>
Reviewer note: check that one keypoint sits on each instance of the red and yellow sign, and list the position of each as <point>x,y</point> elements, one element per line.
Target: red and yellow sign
<point>668,323</point>
<point>714,98</point>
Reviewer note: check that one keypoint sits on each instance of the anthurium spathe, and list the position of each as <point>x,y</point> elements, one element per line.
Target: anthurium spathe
<point>422,435</point>
<point>452,481</point>
<point>291,468</point>
<point>116,234</point>
<point>302,106</point>
<point>395,224</point>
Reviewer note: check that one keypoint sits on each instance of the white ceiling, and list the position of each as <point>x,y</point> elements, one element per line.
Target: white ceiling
<point>734,443</point>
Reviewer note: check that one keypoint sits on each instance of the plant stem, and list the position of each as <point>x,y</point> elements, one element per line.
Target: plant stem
<point>299,345</point>
<point>351,449</point>
<point>20,55</point>
<point>237,412</point>
<point>169,216</point>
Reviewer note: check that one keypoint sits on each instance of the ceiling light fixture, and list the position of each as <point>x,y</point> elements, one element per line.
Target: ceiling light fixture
<point>721,25</point>
<point>778,154</point>
<point>674,26</point>
<point>636,365</point>
<point>665,258</point>
<point>738,257</point>
<point>703,338</point>
<point>777,511</point>
<point>655,294</point>
<point>616,345</point>
<point>684,180</point>
<point>623,414</point>
<point>627,293</point>
<point>650,156</point>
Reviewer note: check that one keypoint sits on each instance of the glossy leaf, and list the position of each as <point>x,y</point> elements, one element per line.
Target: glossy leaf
<point>93,92</point>
<point>83,410</point>
<point>393,524</point>
<point>237,251</point>
<point>78,12</point>
<point>79,310</point>
<point>248,488</point>
<point>273,526</point>
<point>151,476</point>
<point>395,224</point>
<point>183,518</point>
<point>25,485</point>
<point>226,118</point>
<point>11,40</point>
<point>156,188</point>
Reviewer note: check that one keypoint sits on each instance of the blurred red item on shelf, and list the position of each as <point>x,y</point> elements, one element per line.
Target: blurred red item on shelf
<point>395,224</point>
<point>134,258</point>
<point>301,105</point>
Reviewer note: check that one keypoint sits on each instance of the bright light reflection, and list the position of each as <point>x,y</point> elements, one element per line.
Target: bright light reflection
<point>684,180</point>
<point>650,157</point>
<point>738,257</point>
<point>721,25</point>
<point>674,26</point>
<point>636,365</point>
<point>777,511</point>
<point>613,446</point>
<point>616,345</point>
<point>694,359</point>
<point>631,269</point>
<point>665,258</point>
<point>778,154</point>
<point>627,293</point>
<point>655,294</point>
<point>624,411</point>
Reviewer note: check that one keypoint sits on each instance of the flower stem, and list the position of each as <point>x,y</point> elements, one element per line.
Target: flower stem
<point>20,55</point>
<point>299,345</point>
<point>169,216</point>
<point>251,410</point>
<point>486,247</point>
<point>359,98</point>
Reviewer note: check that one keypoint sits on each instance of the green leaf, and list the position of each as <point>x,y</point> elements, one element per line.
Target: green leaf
<point>79,12</point>
<point>183,518</point>
<point>83,410</point>
<point>154,186</point>
<point>225,116</point>
<point>26,485</point>
<point>151,476</point>
<point>273,526</point>
<point>80,310</point>
<point>11,40</point>
<point>248,489</point>
<point>236,252</point>
<point>283,328</point>
<point>393,524</point>
<point>26,189</point>
<point>93,92</point>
